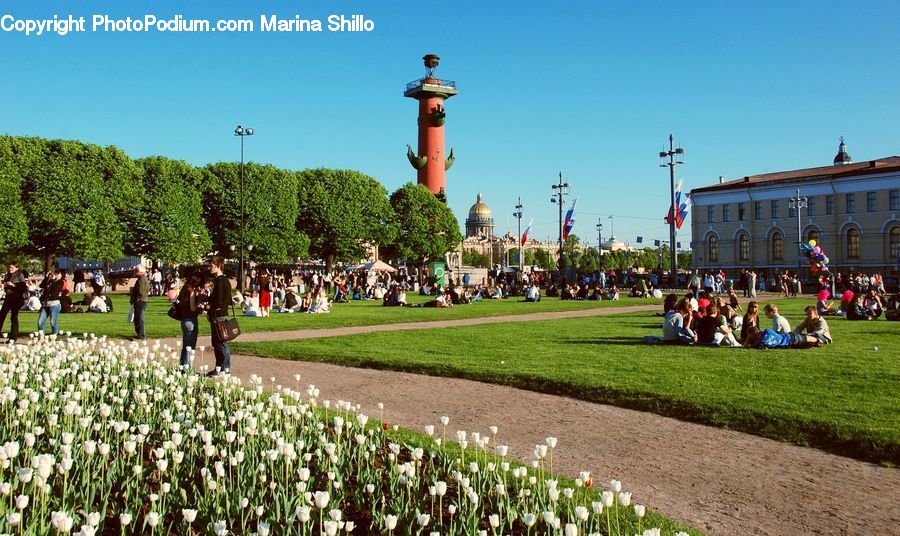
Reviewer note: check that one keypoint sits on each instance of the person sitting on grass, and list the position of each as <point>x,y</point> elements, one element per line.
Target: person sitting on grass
<point>441,301</point>
<point>291,303</point>
<point>815,328</point>
<point>65,302</point>
<point>779,323</point>
<point>533,294</point>
<point>823,306</point>
<point>98,304</point>
<point>858,309</point>
<point>846,301</point>
<point>552,291</point>
<point>873,303</point>
<point>307,302</point>
<point>675,330</point>
<point>251,305</point>
<point>751,319</point>
<point>769,338</point>
<point>892,308</point>
<point>733,299</point>
<point>614,293</point>
<point>669,303</point>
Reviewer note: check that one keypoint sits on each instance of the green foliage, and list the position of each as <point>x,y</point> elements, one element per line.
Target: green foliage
<point>171,227</point>
<point>270,211</point>
<point>684,260</point>
<point>343,211</point>
<point>13,221</point>
<point>66,200</point>
<point>473,257</point>
<point>428,229</point>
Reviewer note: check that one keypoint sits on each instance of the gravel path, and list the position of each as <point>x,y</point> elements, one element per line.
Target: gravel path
<point>716,480</point>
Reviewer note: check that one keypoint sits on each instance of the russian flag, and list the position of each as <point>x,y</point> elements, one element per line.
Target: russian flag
<point>570,220</point>
<point>525,234</point>
<point>682,207</point>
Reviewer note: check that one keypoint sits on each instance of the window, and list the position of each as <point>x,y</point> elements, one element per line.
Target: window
<point>742,211</point>
<point>744,243</point>
<point>895,243</point>
<point>813,234</point>
<point>713,249</point>
<point>852,243</point>
<point>792,210</point>
<point>829,205</point>
<point>895,200</point>
<point>757,210</point>
<point>710,214</point>
<point>811,206</point>
<point>851,203</point>
<point>777,247</point>
<point>871,202</point>
<point>774,208</point>
<point>726,212</point>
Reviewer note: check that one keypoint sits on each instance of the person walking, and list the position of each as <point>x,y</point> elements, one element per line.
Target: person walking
<point>51,291</point>
<point>189,301</point>
<point>219,302</point>
<point>139,293</point>
<point>751,283</point>
<point>15,288</point>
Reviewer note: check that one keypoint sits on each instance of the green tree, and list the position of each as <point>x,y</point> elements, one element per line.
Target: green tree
<point>13,221</point>
<point>473,257</point>
<point>589,261</point>
<point>270,211</point>
<point>428,229</point>
<point>68,203</point>
<point>684,260</point>
<point>171,226</point>
<point>543,259</point>
<point>343,211</point>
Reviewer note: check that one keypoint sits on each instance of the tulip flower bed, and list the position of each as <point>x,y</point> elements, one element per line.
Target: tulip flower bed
<point>102,438</point>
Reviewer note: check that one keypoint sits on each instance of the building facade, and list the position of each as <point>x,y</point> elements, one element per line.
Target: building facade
<point>852,212</point>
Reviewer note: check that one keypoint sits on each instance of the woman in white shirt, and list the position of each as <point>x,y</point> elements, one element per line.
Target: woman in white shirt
<point>252,305</point>
<point>98,304</point>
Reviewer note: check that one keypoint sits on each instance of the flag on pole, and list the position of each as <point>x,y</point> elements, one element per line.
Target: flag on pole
<point>570,220</point>
<point>525,234</point>
<point>681,203</point>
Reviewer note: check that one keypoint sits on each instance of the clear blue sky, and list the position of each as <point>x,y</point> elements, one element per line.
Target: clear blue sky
<point>588,88</point>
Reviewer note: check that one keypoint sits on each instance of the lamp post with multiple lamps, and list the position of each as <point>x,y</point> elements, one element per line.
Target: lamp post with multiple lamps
<point>796,203</point>
<point>560,191</point>
<point>600,243</point>
<point>675,157</point>
<point>518,215</point>
<point>243,133</point>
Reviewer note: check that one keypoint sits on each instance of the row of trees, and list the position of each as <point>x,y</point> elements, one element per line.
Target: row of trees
<point>82,200</point>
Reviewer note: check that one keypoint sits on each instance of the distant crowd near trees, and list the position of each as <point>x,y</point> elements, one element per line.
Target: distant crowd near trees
<point>81,200</point>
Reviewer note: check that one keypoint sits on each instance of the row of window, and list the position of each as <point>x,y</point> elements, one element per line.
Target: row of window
<point>849,203</point>
<point>777,240</point>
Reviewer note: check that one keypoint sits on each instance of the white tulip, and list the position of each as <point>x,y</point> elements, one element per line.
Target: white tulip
<point>445,420</point>
<point>615,486</point>
<point>608,498</point>
<point>581,513</point>
<point>125,519</point>
<point>529,520</point>
<point>86,530</point>
<point>262,529</point>
<point>423,520</point>
<point>93,519</point>
<point>625,498</point>
<point>390,522</point>
<point>220,528</point>
<point>22,502</point>
<point>551,442</point>
<point>322,498</point>
<point>62,522</point>
<point>331,528</point>
<point>153,519</point>
<point>303,514</point>
<point>14,519</point>
<point>188,515</point>
<point>494,520</point>
<point>639,510</point>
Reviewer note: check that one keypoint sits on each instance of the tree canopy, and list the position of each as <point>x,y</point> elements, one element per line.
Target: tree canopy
<point>429,229</point>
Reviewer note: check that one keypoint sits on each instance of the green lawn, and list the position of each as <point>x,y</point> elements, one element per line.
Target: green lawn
<point>355,313</point>
<point>844,398</point>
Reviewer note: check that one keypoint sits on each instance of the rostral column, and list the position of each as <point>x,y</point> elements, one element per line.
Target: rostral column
<point>430,161</point>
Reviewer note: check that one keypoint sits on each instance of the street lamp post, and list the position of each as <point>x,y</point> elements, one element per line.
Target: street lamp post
<point>560,191</point>
<point>676,157</point>
<point>518,216</point>
<point>242,132</point>
<point>600,243</point>
<point>797,203</point>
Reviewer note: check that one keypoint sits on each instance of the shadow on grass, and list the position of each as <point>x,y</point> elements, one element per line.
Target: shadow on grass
<point>603,341</point>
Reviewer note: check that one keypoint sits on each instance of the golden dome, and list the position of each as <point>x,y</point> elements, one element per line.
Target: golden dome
<point>480,209</point>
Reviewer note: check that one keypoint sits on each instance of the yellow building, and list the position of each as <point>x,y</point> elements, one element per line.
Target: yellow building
<point>851,210</point>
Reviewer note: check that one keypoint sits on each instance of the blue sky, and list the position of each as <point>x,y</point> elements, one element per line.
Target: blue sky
<point>591,89</point>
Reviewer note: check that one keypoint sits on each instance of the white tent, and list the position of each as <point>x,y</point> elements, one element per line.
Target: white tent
<point>378,266</point>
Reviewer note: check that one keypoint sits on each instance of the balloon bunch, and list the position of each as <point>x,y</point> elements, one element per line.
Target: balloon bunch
<point>818,261</point>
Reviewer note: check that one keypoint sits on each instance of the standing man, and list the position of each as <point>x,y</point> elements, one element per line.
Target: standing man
<point>15,288</point>
<point>139,293</point>
<point>751,283</point>
<point>219,302</point>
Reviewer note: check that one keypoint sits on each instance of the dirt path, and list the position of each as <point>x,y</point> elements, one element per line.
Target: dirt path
<point>716,480</point>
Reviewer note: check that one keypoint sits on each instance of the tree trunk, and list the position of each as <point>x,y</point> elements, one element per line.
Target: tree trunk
<point>48,261</point>
<point>329,263</point>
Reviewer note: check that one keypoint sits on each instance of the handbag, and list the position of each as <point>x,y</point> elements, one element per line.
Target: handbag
<point>173,312</point>
<point>228,329</point>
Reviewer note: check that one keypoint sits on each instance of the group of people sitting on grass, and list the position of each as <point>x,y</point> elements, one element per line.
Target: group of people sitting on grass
<point>869,305</point>
<point>314,301</point>
<point>584,291</point>
<point>713,321</point>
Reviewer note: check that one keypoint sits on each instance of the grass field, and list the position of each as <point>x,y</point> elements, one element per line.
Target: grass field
<point>355,313</point>
<point>843,398</point>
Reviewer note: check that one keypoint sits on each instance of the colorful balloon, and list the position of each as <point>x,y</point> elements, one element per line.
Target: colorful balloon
<point>812,243</point>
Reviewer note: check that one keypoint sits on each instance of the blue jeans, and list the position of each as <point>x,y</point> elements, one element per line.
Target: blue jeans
<point>189,331</point>
<point>53,312</point>
<point>139,309</point>
<point>220,348</point>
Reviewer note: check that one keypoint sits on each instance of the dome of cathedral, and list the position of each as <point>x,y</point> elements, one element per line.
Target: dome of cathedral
<point>480,209</point>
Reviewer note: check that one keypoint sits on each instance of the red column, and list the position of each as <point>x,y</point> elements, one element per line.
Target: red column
<point>431,143</point>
